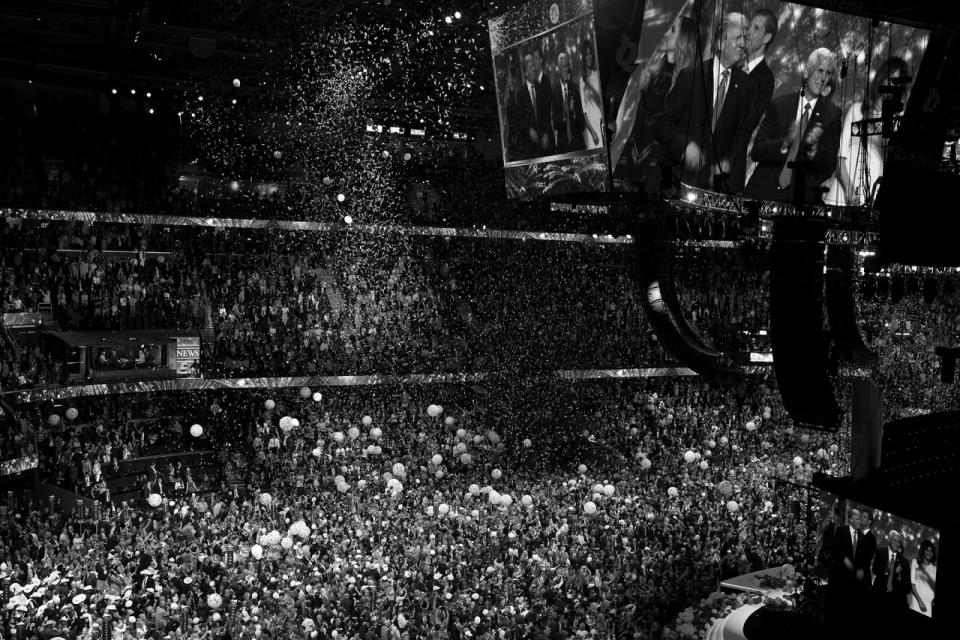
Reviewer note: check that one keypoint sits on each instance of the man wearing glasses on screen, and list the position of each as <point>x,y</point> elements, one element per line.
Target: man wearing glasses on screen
<point>802,126</point>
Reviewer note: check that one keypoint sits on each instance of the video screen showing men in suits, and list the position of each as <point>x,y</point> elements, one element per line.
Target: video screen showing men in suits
<point>875,563</point>
<point>755,97</point>
<point>550,105</point>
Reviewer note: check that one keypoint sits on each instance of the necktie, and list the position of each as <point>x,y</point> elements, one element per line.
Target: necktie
<point>890,571</point>
<point>567,113</point>
<point>786,174</point>
<point>856,539</point>
<point>533,96</point>
<point>721,96</point>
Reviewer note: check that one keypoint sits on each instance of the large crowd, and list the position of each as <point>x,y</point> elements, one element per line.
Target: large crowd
<point>559,510</point>
<point>267,304</point>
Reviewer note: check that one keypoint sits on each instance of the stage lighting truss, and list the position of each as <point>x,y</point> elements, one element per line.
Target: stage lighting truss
<point>874,126</point>
<point>852,238</point>
<point>692,198</point>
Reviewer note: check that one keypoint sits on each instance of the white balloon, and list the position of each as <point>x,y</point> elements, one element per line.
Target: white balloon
<point>196,431</point>
<point>269,405</point>
<point>367,421</point>
<point>589,508</point>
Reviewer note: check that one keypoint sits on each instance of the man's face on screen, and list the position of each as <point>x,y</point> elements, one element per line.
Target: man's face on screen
<point>821,71</point>
<point>537,61</point>
<point>734,42</point>
<point>564,64</point>
<point>758,30</point>
<point>529,73</point>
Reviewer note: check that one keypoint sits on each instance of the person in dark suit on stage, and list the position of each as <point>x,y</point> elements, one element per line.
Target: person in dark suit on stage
<point>865,552</point>
<point>891,573</point>
<point>567,110</point>
<point>798,126</point>
<point>545,95</point>
<point>763,29</point>
<point>526,116</point>
<point>709,113</point>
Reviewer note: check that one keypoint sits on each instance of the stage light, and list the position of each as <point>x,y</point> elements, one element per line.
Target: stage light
<point>113,91</point>
<point>149,95</point>
<point>151,110</point>
<point>133,92</point>
<point>234,185</point>
<point>200,98</point>
<point>234,101</point>
<point>448,20</point>
<point>457,15</point>
<point>348,219</point>
<point>691,197</point>
<point>341,197</point>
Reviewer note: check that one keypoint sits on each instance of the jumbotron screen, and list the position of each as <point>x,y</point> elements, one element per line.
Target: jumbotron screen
<point>858,545</point>
<point>548,93</point>
<point>717,95</point>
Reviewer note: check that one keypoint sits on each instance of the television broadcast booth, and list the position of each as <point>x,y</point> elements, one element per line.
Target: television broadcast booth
<point>806,126</point>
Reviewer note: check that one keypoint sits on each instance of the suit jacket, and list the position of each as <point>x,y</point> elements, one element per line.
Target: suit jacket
<point>842,548</point>
<point>762,77</point>
<point>770,158</point>
<point>522,117</point>
<point>561,113</point>
<point>901,576</point>
<point>688,116</point>
<point>863,558</point>
<point>545,109</point>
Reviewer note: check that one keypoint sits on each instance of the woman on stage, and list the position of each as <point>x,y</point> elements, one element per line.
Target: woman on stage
<point>923,579</point>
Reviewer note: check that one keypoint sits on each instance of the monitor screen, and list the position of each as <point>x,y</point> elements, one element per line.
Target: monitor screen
<point>548,94</point>
<point>863,549</point>
<point>727,95</point>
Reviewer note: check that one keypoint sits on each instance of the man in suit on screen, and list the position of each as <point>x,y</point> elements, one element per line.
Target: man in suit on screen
<point>567,110</point>
<point>799,126</point>
<point>891,573</point>
<point>527,116</point>
<point>710,113</point>
<point>763,29</point>
<point>545,95</point>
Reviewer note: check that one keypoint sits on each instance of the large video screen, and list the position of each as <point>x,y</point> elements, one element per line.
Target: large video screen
<point>548,93</point>
<point>861,549</point>
<point>741,89</point>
